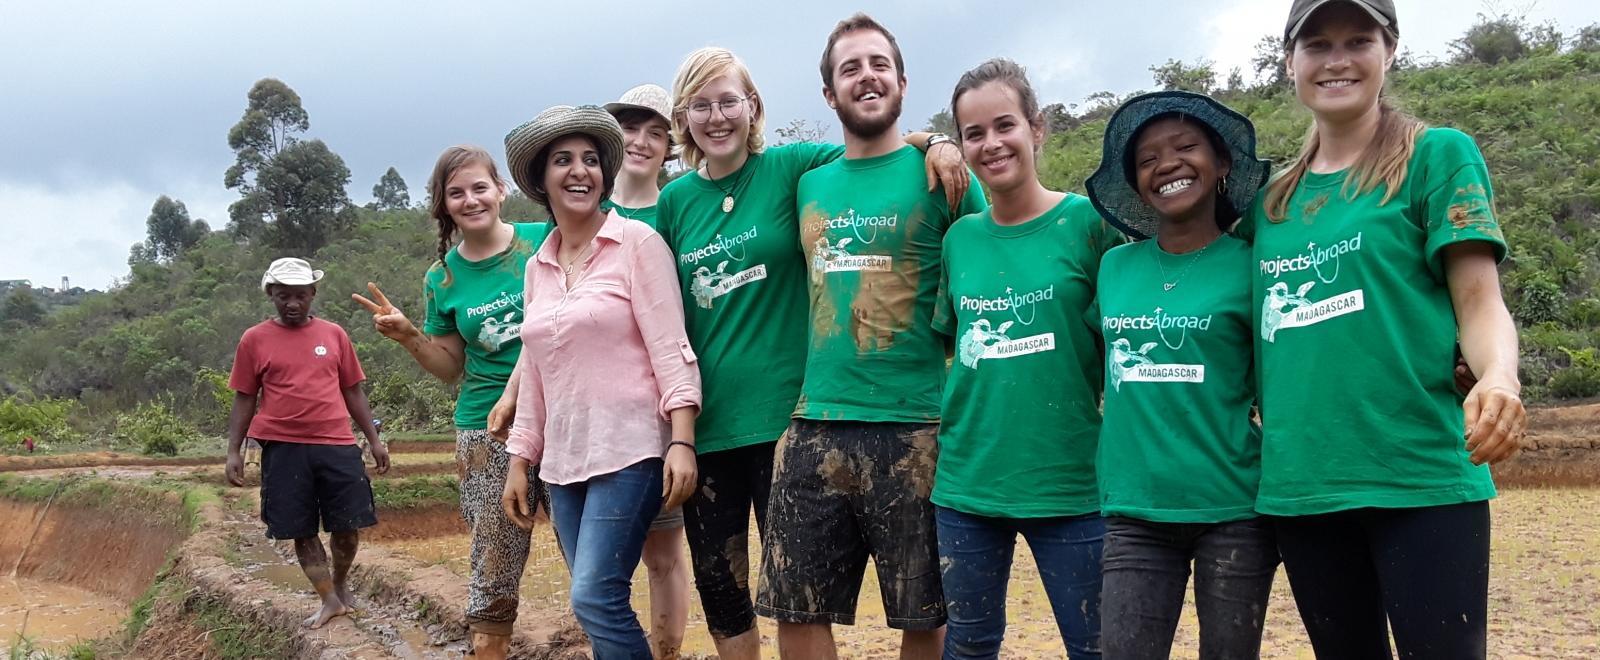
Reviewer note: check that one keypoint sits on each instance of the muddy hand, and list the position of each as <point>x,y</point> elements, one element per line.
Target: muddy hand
<point>500,417</point>
<point>946,166</point>
<point>234,469</point>
<point>1496,422</point>
<point>387,319</point>
<point>679,475</point>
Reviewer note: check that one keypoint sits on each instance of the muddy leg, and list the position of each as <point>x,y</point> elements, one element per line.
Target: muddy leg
<point>345,545</point>
<point>314,562</point>
<point>669,591</point>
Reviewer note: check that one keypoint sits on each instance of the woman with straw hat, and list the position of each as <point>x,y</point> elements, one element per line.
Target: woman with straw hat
<point>1179,457</point>
<point>610,386</point>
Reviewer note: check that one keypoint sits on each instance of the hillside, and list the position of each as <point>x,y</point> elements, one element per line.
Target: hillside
<point>167,334</point>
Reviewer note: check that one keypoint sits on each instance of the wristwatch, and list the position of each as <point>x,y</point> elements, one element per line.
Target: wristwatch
<point>937,138</point>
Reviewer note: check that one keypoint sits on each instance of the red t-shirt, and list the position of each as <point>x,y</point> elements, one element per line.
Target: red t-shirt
<point>298,374</point>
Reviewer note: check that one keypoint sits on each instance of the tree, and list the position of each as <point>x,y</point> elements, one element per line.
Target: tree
<point>1235,80</point>
<point>170,231</point>
<point>1268,62</point>
<point>306,181</point>
<point>801,130</point>
<point>390,193</point>
<point>941,122</point>
<point>21,309</point>
<point>1175,75</point>
<point>1492,40</point>
<point>1058,120</point>
<point>272,119</point>
<point>1588,39</point>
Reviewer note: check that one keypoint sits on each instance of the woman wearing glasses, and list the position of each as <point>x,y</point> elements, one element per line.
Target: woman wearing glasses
<point>733,229</point>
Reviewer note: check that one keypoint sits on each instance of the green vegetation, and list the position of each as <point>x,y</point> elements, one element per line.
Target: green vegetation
<point>416,492</point>
<point>167,333</point>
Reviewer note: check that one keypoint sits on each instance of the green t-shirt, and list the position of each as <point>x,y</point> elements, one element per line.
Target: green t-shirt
<point>1022,404</point>
<point>482,302</point>
<point>872,235</point>
<point>1357,335</point>
<point>744,291</point>
<point>646,215</point>
<point>1178,444</point>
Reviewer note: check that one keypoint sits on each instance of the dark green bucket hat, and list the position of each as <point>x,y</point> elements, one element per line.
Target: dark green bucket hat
<point>1114,195</point>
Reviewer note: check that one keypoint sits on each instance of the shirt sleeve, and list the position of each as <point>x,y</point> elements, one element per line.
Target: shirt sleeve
<point>245,378</point>
<point>436,321</point>
<point>658,310</point>
<point>974,201</point>
<point>349,365</point>
<point>807,156</point>
<point>1459,203</point>
<point>527,428</point>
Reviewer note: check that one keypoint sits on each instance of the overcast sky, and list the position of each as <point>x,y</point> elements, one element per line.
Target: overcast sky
<point>105,106</point>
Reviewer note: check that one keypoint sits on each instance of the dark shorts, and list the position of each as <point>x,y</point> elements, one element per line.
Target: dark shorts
<point>304,485</point>
<point>842,492</point>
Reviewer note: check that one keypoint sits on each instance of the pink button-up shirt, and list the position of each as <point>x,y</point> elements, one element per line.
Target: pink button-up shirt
<point>604,362</point>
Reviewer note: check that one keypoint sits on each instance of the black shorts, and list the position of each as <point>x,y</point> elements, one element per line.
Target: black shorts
<point>303,485</point>
<point>841,492</point>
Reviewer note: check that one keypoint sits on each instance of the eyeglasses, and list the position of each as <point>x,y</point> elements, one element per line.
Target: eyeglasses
<point>730,108</point>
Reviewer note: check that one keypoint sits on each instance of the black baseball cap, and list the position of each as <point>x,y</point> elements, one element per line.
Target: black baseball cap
<point>1381,11</point>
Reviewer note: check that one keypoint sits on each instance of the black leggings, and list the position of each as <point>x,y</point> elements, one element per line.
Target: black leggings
<point>717,523</point>
<point>1424,571</point>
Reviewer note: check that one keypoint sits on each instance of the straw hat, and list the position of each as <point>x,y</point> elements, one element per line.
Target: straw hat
<point>1110,187</point>
<point>290,271</point>
<point>524,142</point>
<point>644,97</point>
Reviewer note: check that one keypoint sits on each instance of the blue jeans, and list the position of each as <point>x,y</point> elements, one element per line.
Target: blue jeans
<point>975,553</point>
<point>1147,572</point>
<point>601,524</point>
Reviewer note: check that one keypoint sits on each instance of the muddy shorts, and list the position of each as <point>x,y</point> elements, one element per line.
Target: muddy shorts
<point>668,519</point>
<point>842,492</point>
<point>304,486</point>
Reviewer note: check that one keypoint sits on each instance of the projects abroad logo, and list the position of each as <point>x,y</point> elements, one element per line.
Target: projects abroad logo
<point>981,342</point>
<point>706,285</point>
<point>1314,258</point>
<point>864,227</point>
<point>1124,364</point>
<point>730,246</point>
<point>834,258</point>
<point>1159,321</point>
<point>1281,309</point>
<point>1011,301</point>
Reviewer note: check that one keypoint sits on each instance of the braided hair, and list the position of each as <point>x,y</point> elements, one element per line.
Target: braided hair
<point>453,159</point>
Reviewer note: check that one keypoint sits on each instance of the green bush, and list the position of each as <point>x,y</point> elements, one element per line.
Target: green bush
<point>154,429</point>
<point>44,420</point>
<point>1581,378</point>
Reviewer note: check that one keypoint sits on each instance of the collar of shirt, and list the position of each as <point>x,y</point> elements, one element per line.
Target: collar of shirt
<point>610,230</point>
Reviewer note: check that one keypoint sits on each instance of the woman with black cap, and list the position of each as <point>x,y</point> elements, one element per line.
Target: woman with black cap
<point>610,386</point>
<point>1179,456</point>
<point>1375,253</point>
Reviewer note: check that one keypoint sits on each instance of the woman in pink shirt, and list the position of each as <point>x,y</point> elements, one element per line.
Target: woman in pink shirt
<point>609,387</point>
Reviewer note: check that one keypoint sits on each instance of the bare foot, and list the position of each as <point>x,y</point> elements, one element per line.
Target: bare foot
<point>328,611</point>
<point>347,598</point>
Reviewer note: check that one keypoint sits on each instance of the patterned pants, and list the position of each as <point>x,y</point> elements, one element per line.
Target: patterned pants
<point>499,547</point>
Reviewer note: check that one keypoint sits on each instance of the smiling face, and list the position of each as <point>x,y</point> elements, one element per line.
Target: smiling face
<point>293,302</point>
<point>1176,168</point>
<point>644,142</point>
<point>1339,62</point>
<point>573,178</point>
<point>722,138</point>
<point>997,137</point>
<point>867,88</point>
<point>472,197</point>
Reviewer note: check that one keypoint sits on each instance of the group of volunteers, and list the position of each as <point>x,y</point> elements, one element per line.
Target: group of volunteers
<point>1201,367</point>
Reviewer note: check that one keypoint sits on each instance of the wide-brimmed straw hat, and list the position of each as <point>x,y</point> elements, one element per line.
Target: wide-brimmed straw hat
<point>525,142</point>
<point>1114,194</point>
<point>290,271</point>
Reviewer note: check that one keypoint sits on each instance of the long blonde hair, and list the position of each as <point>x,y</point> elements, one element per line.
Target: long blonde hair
<point>698,70</point>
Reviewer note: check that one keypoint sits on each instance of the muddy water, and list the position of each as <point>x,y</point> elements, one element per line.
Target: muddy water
<point>54,616</point>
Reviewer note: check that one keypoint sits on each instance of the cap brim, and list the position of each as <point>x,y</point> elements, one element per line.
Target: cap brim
<point>1294,30</point>
<point>617,108</point>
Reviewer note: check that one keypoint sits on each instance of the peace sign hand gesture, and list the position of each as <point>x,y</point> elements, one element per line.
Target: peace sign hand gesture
<point>387,319</point>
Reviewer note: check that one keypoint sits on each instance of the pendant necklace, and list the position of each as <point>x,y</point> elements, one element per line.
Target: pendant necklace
<point>1170,284</point>
<point>727,193</point>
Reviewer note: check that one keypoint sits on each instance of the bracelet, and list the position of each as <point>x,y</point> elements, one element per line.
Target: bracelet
<point>676,443</point>
<point>937,138</point>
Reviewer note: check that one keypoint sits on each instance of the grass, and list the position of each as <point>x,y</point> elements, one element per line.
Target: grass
<point>406,436</point>
<point>416,492</point>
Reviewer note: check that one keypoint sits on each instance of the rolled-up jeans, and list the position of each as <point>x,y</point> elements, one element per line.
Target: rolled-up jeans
<point>1147,571</point>
<point>601,523</point>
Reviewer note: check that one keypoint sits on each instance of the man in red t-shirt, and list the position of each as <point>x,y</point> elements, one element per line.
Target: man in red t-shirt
<point>297,385</point>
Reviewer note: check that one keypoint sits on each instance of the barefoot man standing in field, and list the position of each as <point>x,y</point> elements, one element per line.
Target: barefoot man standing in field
<point>296,386</point>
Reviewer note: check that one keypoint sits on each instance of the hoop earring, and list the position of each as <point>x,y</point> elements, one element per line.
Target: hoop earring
<point>1222,186</point>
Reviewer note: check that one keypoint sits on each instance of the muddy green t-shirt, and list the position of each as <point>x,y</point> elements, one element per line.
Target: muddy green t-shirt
<point>646,214</point>
<point>744,291</point>
<point>482,302</point>
<point>1356,338</point>
<point>872,235</point>
<point>1021,414</point>
<point>1177,443</point>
